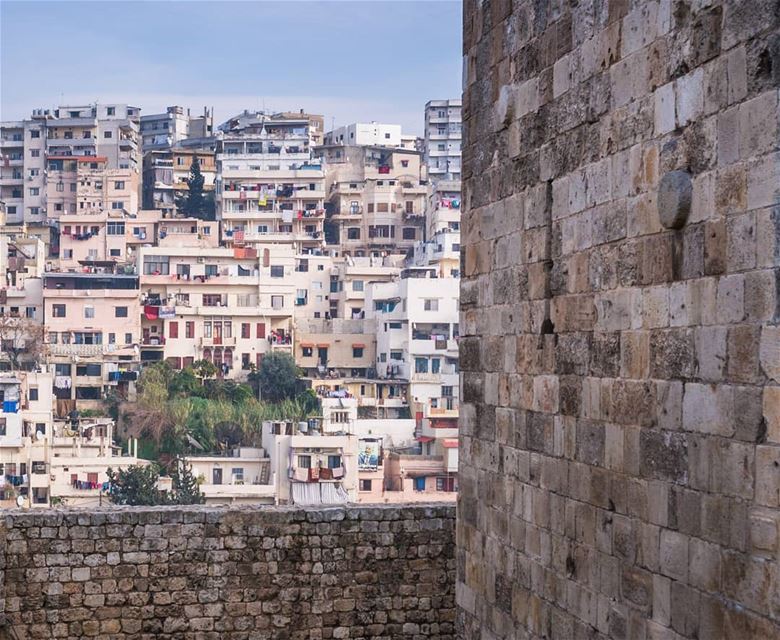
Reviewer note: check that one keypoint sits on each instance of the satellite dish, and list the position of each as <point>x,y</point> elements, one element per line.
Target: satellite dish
<point>38,435</point>
<point>19,501</point>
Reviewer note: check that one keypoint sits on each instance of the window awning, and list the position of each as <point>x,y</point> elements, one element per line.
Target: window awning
<point>450,443</point>
<point>307,345</point>
<point>425,439</point>
<point>359,345</point>
<point>323,345</point>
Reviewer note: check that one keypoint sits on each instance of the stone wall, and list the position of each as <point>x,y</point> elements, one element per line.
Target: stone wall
<point>620,425</point>
<point>228,574</point>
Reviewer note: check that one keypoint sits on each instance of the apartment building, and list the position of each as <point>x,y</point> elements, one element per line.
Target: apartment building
<point>226,305</point>
<point>376,198</point>
<point>443,135</point>
<point>166,130</point>
<point>311,467</point>
<point>269,189</point>
<point>373,134</point>
<point>45,461</point>
<point>165,172</point>
<point>93,327</point>
<point>442,211</point>
<point>243,476</point>
<point>22,261</point>
<point>108,132</point>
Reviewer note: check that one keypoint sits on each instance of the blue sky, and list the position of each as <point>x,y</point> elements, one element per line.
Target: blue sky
<point>350,61</point>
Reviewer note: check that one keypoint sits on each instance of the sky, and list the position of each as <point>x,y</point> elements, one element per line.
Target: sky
<point>351,61</point>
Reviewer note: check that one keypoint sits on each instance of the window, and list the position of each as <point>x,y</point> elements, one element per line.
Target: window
<point>212,300</point>
<point>431,304</point>
<point>397,355</point>
<point>35,134</point>
<point>35,211</point>
<point>34,191</point>
<point>421,365</point>
<point>238,474</point>
<point>304,462</point>
<point>245,330</point>
<point>69,134</point>
<point>334,462</point>
<point>33,394</point>
<point>120,312</point>
<point>156,265</point>
<point>115,228</point>
<point>107,134</point>
<point>357,352</point>
<point>67,253</point>
<point>119,185</point>
<point>111,338</point>
<point>404,163</point>
<point>409,233</point>
<point>89,312</point>
<point>307,352</point>
<point>118,205</point>
<point>35,153</point>
<point>92,369</point>
<point>73,187</point>
<point>189,329</point>
<point>365,485</point>
<point>111,111</point>
<point>277,272</point>
<point>173,329</point>
<point>53,337</point>
<point>29,312</point>
<point>445,484</point>
<point>58,310</point>
<point>435,365</point>
<point>2,433</point>
<point>277,302</point>
<point>260,330</point>
<point>115,253</point>
<point>128,338</point>
<point>353,233</point>
<point>211,270</point>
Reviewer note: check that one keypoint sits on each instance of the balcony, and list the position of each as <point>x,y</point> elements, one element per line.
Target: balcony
<point>218,342</point>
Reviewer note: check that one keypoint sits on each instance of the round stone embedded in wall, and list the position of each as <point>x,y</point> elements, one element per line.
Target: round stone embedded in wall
<point>674,199</point>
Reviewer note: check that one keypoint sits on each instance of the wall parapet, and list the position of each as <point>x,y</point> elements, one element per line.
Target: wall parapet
<point>377,571</point>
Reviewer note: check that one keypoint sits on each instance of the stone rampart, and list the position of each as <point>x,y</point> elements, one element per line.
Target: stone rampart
<point>207,573</point>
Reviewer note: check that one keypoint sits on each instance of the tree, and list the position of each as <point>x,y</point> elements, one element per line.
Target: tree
<point>186,489</point>
<point>21,340</point>
<point>195,203</point>
<point>204,369</point>
<point>277,377</point>
<point>136,485</point>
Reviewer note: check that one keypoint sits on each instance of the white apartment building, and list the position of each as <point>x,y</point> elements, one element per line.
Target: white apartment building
<point>164,130</point>
<point>311,467</point>
<point>44,461</point>
<point>373,134</point>
<point>226,305</point>
<point>443,134</point>
<point>243,476</point>
<point>268,188</point>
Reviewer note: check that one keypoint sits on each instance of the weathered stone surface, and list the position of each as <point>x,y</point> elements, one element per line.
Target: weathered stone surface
<point>643,499</point>
<point>276,573</point>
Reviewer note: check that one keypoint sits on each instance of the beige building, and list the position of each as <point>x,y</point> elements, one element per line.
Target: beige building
<point>22,261</point>
<point>176,125</point>
<point>376,198</point>
<point>226,305</point>
<point>165,172</point>
<point>93,331</point>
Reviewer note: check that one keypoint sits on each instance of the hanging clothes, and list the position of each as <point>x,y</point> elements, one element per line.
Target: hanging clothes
<point>151,312</point>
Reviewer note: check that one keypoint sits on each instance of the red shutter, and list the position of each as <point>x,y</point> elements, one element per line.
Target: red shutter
<point>259,359</point>
<point>173,329</point>
<point>261,329</point>
<point>245,330</point>
<point>190,329</point>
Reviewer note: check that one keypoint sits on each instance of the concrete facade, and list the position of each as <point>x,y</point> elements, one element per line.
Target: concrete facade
<point>620,457</point>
